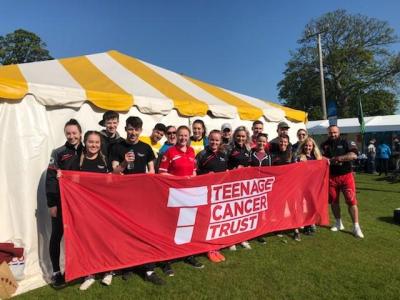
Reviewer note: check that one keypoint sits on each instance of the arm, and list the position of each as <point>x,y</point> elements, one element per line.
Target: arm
<point>118,168</point>
<point>52,188</point>
<point>150,167</point>
<point>346,157</point>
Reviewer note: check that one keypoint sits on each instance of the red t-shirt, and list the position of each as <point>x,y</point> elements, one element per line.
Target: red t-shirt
<point>177,162</point>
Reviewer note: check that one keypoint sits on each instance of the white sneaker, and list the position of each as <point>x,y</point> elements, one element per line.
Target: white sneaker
<point>358,233</point>
<point>87,283</point>
<point>232,248</point>
<point>337,227</point>
<point>107,279</point>
<point>246,245</point>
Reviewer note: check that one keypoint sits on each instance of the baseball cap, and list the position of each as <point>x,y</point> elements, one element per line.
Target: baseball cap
<point>110,114</point>
<point>283,125</point>
<point>226,126</point>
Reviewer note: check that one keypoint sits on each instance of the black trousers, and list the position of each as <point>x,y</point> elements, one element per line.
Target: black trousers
<point>57,232</point>
<point>383,165</point>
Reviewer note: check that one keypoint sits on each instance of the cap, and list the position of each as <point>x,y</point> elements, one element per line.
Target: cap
<point>109,114</point>
<point>226,126</point>
<point>283,125</point>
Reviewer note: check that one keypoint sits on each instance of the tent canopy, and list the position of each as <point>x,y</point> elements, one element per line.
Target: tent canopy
<point>115,81</point>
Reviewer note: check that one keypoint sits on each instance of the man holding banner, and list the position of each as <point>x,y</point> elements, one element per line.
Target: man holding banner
<point>133,156</point>
<point>341,153</point>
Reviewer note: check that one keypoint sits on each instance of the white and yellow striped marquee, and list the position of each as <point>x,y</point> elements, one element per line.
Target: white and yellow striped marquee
<point>115,81</point>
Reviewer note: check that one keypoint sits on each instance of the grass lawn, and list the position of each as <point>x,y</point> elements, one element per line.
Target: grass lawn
<point>325,266</point>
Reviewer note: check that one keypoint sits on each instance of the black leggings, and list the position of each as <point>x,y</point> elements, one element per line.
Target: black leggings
<point>57,231</point>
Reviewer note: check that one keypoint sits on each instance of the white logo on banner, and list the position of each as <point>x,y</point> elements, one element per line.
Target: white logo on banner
<point>235,207</point>
<point>188,199</point>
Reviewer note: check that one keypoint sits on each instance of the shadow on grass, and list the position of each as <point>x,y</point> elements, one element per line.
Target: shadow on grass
<point>328,228</point>
<point>388,178</point>
<point>377,190</point>
<point>389,220</point>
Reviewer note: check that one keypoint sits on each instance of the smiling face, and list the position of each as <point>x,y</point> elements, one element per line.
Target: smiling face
<point>111,125</point>
<point>226,133</point>
<point>183,137</point>
<point>301,135</point>
<point>157,135</point>
<point>214,141</point>
<point>261,143</point>
<point>198,131</point>
<point>72,134</point>
<point>132,134</point>
<point>93,144</point>
<point>240,137</point>
<point>333,133</point>
<point>257,129</point>
<point>283,131</point>
<point>171,135</point>
<point>308,148</point>
<point>283,144</point>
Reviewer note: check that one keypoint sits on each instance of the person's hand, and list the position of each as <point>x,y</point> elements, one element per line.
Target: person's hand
<point>53,211</point>
<point>59,173</point>
<point>129,156</point>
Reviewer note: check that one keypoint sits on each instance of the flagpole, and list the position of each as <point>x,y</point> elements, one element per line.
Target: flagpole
<point>361,121</point>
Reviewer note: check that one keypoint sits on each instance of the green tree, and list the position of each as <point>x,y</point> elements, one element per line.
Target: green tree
<point>22,46</point>
<point>357,62</point>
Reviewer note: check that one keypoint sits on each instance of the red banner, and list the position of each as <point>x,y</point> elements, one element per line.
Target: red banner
<point>113,221</point>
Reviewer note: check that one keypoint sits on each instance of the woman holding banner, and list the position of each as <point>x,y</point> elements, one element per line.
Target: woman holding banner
<point>92,160</point>
<point>61,158</point>
<point>308,150</point>
<point>260,158</point>
<point>239,156</point>
<point>211,160</point>
<point>283,156</point>
<point>179,160</point>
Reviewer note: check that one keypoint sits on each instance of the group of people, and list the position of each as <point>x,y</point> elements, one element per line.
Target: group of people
<point>378,156</point>
<point>189,152</point>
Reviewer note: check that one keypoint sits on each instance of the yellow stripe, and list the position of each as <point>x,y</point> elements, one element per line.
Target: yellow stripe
<point>13,85</point>
<point>100,90</point>
<point>292,114</point>
<point>246,110</point>
<point>185,103</point>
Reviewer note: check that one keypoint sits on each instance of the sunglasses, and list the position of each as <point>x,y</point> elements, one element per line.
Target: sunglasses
<point>171,132</point>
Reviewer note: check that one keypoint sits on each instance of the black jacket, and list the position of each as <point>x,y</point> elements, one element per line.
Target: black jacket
<point>62,158</point>
<point>107,143</point>
<point>255,162</point>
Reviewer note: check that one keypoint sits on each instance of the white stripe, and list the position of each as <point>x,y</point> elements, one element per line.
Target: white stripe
<point>270,112</point>
<point>218,107</point>
<point>51,84</point>
<point>148,99</point>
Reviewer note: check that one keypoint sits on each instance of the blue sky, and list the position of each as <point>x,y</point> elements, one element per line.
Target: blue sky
<point>239,45</point>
